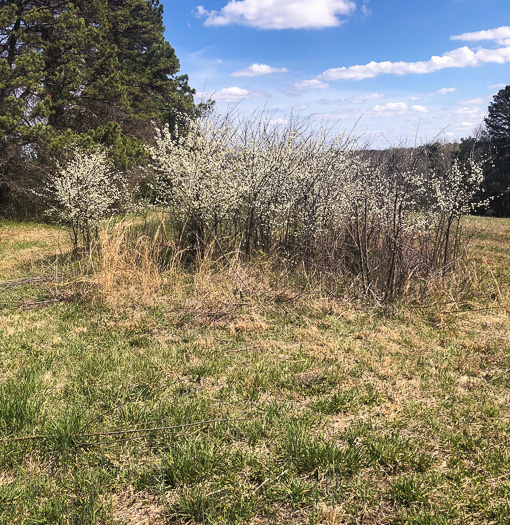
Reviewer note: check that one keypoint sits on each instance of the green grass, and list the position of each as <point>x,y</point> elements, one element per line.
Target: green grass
<point>335,413</point>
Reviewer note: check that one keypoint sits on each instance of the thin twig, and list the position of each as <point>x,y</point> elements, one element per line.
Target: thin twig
<point>157,429</point>
<point>127,431</point>
<point>21,282</point>
<point>269,479</point>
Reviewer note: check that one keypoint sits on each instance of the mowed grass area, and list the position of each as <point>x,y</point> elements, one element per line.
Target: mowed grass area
<point>300,408</point>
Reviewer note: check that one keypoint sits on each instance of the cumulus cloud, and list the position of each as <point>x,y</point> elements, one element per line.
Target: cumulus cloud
<point>458,58</point>
<point>367,96</point>
<point>470,112</point>
<point>278,14</point>
<point>419,109</point>
<point>313,83</point>
<point>258,70</point>
<point>231,94</point>
<point>473,101</point>
<point>446,91</point>
<point>398,108</point>
<point>497,86</point>
<point>499,34</point>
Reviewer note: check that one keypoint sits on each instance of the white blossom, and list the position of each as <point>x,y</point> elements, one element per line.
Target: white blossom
<point>311,193</point>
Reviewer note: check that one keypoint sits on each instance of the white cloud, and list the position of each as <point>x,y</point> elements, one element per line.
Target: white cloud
<point>279,122</point>
<point>258,70</point>
<point>365,9</point>
<point>446,91</point>
<point>311,84</point>
<point>470,112</point>
<point>499,34</point>
<point>472,101</point>
<point>278,14</point>
<point>419,109</point>
<point>398,108</point>
<point>497,86</point>
<point>414,99</point>
<point>368,96</point>
<point>458,58</point>
<point>231,94</point>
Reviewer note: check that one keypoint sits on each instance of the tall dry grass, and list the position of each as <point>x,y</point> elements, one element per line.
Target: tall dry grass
<point>140,266</point>
<point>125,265</point>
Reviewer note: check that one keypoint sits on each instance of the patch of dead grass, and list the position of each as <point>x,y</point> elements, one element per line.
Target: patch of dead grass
<point>138,508</point>
<point>248,323</point>
<point>13,259</point>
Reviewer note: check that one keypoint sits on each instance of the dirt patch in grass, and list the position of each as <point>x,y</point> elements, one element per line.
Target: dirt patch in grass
<point>138,508</point>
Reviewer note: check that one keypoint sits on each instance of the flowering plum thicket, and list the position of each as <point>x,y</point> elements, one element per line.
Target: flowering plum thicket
<point>316,197</point>
<point>295,191</point>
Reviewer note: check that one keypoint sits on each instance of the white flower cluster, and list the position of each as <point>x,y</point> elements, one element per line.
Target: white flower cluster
<point>456,189</point>
<point>85,190</point>
<point>252,178</point>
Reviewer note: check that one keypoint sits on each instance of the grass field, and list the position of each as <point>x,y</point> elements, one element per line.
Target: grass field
<point>286,407</point>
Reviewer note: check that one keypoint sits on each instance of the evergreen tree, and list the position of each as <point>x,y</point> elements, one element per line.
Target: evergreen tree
<point>91,71</point>
<point>497,123</point>
<point>498,119</point>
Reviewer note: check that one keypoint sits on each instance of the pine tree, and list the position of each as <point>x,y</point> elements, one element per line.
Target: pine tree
<point>497,123</point>
<point>91,71</point>
<point>498,119</point>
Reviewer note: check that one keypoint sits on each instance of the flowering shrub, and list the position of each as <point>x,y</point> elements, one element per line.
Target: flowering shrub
<point>85,190</point>
<point>195,176</point>
<point>312,196</point>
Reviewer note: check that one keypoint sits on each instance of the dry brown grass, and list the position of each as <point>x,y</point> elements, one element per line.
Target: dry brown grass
<point>125,270</point>
<point>28,247</point>
<point>137,508</point>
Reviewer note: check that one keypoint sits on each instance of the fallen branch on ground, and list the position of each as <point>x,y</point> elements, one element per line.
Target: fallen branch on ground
<point>127,431</point>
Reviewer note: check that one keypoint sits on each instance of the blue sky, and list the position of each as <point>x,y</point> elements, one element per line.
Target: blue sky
<point>394,69</point>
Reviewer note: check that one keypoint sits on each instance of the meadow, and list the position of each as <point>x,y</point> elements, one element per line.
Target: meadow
<point>230,391</point>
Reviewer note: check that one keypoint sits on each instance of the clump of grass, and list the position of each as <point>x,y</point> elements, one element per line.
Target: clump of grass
<point>125,266</point>
<point>191,462</point>
<point>313,454</point>
<point>408,490</point>
<point>20,404</point>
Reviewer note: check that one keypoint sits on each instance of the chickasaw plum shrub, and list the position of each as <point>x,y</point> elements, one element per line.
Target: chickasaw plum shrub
<point>84,191</point>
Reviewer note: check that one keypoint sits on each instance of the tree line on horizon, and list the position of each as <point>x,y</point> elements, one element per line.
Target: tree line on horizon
<point>100,73</point>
